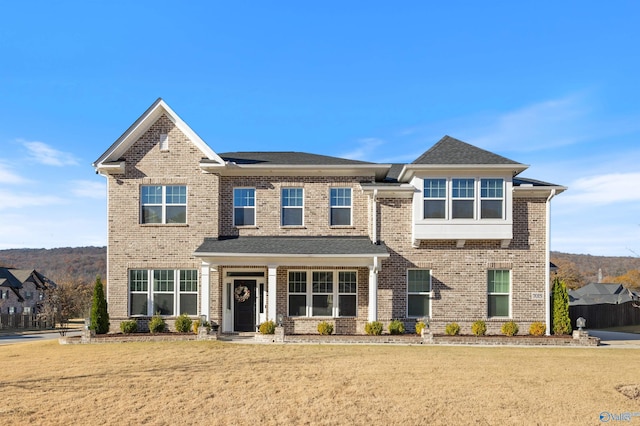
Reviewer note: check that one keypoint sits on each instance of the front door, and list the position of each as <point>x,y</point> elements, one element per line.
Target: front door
<point>244,305</point>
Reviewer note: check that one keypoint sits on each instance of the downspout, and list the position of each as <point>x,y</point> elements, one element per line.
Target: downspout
<point>374,233</point>
<point>547,295</point>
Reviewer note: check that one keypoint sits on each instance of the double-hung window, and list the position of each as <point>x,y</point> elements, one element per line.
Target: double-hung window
<point>165,291</point>
<point>340,210</point>
<point>435,198</point>
<point>330,293</point>
<point>462,198</point>
<point>164,204</point>
<point>292,206</point>
<point>491,198</point>
<point>418,293</point>
<point>244,206</point>
<point>499,285</point>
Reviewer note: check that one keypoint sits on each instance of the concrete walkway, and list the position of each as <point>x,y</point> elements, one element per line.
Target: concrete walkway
<point>616,339</point>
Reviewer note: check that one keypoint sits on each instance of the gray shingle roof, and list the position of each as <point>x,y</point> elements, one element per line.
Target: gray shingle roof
<point>449,150</point>
<point>293,246</point>
<point>287,158</point>
<point>519,181</point>
<point>597,293</point>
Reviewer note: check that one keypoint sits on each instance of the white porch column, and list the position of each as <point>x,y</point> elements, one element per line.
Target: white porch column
<point>272,294</point>
<point>373,291</point>
<point>205,293</point>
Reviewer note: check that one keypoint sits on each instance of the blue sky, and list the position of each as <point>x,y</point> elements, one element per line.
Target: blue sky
<point>551,84</point>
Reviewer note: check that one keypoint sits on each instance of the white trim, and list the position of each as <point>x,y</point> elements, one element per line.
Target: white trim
<point>510,294</point>
<point>205,286</point>
<point>335,293</point>
<point>255,213</point>
<point>272,292</point>
<point>429,293</point>
<point>547,258</point>
<point>282,207</point>
<point>350,207</point>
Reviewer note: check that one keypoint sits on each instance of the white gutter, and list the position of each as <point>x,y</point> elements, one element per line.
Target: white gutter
<point>547,295</point>
<point>375,217</point>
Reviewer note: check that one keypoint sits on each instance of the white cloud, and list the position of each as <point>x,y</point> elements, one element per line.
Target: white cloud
<point>364,150</point>
<point>8,176</point>
<point>18,200</point>
<point>603,189</point>
<point>44,154</point>
<point>89,189</point>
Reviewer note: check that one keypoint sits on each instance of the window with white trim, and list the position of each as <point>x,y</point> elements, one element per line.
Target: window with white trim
<point>331,293</point>
<point>418,293</point>
<point>340,207</point>
<point>4,294</point>
<point>163,204</point>
<point>292,207</point>
<point>499,291</point>
<point>164,142</point>
<point>28,295</point>
<point>12,310</point>
<point>165,291</point>
<point>26,310</point>
<point>244,206</point>
<point>435,198</point>
<point>462,198</point>
<point>491,198</point>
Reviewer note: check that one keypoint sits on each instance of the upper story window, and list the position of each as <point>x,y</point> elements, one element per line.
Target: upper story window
<point>244,206</point>
<point>340,210</point>
<point>164,204</point>
<point>462,199</point>
<point>292,206</point>
<point>164,142</point>
<point>457,198</point>
<point>491,198</point>
<point>435,198</point>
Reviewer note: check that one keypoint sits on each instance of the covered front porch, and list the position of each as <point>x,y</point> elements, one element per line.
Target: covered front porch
<point>293,281</point>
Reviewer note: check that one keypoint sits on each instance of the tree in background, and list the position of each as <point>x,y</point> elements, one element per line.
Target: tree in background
<point>71,298</point>
<point>561,320</point>
<point>630,280</point>
<point>99,314</point>
<point>569,273</point>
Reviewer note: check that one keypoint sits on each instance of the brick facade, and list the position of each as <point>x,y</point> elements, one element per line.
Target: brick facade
<point>459,274</point>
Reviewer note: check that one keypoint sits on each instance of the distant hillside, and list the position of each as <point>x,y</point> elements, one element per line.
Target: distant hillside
<point>587,265</point>
<point>60,264</point>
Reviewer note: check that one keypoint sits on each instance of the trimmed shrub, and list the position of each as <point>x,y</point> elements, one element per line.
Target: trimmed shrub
<point>373,328</point>
<point>420,325</point>
<point>325,328</point>
<point>396,327</point>
<point>157,324</point>
<point>183,323</point>
<point>561,321</point>
<point>537,328</point>
<point>267,327</point>
<point>479,328</point>
<point>452,329</point>
<point>99,315</point>
<point>509,328</point>
<point>129,326</point>
<point>197,324</point>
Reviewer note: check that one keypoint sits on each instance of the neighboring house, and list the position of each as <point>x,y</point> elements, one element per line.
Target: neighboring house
<point>22,291</point>
<point>604,305</point>
<point>244,237</point>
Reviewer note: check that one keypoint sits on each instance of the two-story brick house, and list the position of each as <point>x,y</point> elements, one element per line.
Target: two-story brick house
<point>244,237</point>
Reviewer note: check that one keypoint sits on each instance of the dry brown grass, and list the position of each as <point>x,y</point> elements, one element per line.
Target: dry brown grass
<point>224,383</point>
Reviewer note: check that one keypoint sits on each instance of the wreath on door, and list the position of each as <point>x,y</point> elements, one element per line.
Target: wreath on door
<point>242,293</point>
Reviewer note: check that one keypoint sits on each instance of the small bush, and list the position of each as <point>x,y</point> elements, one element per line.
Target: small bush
<point>183,323</point>
<point>479,328</point>
<point>452,329</point>
<point>129,326</point>
<point>537,329</point>
<point>157,324</point>
<point>396,327</point>
<point>509,328</point>
<point>267,327</point>
<point>420,325</point>
<point>373,328</point>
<point>325,328</point>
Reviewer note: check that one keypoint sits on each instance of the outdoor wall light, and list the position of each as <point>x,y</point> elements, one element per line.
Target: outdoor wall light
<point>581,323</point>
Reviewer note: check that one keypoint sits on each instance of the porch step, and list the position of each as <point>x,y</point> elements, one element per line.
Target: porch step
<point>230,337</point>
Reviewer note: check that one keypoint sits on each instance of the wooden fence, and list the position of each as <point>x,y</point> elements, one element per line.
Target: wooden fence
<point>605,315</point>
<point>21,321</point>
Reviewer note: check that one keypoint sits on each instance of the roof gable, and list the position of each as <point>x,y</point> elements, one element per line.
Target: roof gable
<point>450,150</point>
<point>142,124</point>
